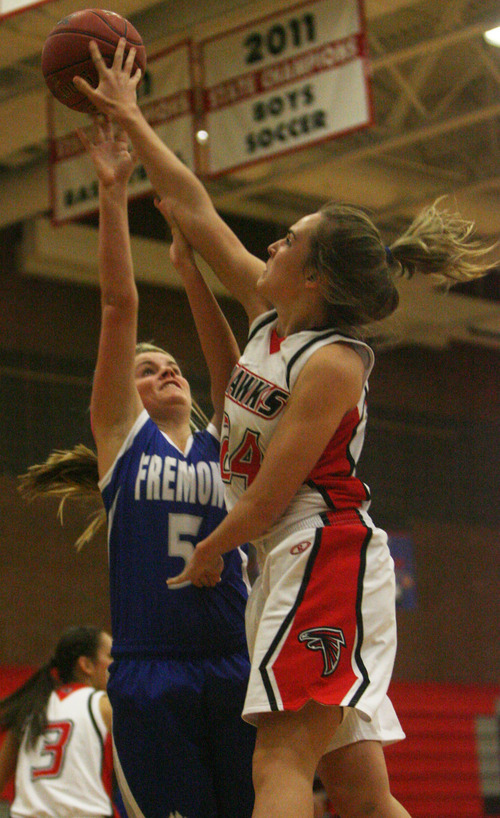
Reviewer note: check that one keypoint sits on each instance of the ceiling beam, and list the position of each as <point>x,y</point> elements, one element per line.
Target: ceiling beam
<point>30,109</point>
<point>384,145</point>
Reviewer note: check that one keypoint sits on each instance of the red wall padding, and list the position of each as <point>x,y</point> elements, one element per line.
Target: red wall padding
<point>435,772</point>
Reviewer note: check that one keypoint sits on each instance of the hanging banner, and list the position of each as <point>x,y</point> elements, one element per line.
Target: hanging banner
<point>283,82</point>
<point>166,99</point>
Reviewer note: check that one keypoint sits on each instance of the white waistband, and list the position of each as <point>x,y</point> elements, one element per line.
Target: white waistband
<point>267,542</point>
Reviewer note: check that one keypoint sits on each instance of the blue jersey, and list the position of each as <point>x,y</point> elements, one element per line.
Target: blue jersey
<point>160,503</point>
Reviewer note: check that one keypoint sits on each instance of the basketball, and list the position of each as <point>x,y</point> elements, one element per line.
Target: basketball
<point>66,52</point>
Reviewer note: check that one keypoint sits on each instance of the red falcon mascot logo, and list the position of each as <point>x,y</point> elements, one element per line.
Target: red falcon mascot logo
<point>329,641</point>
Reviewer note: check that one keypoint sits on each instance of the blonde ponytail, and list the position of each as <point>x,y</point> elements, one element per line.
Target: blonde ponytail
<point>70,475</point>
<point>357,272</point>
<point>441,243</point>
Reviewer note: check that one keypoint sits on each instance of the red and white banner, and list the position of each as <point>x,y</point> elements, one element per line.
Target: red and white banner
<point>283,82</point>
<point>166,99</point>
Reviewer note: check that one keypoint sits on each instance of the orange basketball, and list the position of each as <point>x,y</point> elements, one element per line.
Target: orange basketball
<point>66,52</point>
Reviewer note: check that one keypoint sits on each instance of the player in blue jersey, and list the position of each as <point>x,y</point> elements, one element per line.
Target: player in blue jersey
<point>321,617</point>
<point>180,670</point>
<point>180,663</point>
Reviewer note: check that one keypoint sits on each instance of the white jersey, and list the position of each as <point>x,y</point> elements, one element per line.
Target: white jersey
<point>321,616</point>
<point>256,395</point>
<point>67,774</point>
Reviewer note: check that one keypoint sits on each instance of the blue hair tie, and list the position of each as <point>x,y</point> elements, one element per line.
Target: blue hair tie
<point>389,256</point>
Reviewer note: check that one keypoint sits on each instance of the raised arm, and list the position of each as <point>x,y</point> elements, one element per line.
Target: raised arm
<point>207,233</point>
<point>307,425</point>
<point>218,343</point>
<point>115,402</point>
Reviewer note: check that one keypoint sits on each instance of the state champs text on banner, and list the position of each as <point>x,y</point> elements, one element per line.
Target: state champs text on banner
<point>166,99</point>
<point>283,82</point>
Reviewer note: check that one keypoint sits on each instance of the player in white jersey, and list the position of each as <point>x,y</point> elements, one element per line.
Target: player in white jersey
<point>58,742</point>
<point>321,619</point>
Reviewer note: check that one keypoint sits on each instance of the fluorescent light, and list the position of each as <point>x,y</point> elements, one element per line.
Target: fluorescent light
<point>493,36</point>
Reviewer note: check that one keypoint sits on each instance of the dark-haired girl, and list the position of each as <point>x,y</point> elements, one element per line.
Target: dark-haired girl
<point>58,741</point>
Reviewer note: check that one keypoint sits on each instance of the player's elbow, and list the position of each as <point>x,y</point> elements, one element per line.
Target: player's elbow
<point>123,300</point>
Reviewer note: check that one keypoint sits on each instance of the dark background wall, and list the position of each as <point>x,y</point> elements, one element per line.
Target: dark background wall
<point>431,459</point>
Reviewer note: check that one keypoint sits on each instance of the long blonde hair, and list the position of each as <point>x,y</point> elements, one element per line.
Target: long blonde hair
<point>69,474</point>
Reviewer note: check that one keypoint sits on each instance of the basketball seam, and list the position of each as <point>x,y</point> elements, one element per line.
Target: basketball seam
<point>107,23</point>
<point>93,36</point>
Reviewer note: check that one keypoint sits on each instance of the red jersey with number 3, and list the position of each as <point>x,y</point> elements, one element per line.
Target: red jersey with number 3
<point>256,396</point>
<point>69,770</point>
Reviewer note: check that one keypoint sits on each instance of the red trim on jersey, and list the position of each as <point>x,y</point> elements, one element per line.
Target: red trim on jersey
<point>275,342</point>
<point>66,690</point>
<point>328,605</point>
<point>107,771</point>
<point>333,473</point>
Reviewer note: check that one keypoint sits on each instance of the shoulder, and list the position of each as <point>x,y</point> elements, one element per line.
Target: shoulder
<point>100,711</point>
<point>339,355</point>
<point>263,321</point>
<point>205,448</point>
<point>206,442</point>
<point>334,370</point>
<point>105,710</point>
<point>143,427</point>
<point>337,360</point>
<point>340,351</point>
<point>211,432</point>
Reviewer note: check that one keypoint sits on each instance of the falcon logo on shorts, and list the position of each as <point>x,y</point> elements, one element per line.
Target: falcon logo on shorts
<point>329,641</point>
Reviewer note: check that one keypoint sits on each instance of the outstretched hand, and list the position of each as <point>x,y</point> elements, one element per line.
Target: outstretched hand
<point>116,91</point>
<point>202,570</point>
<point>109,151</point>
